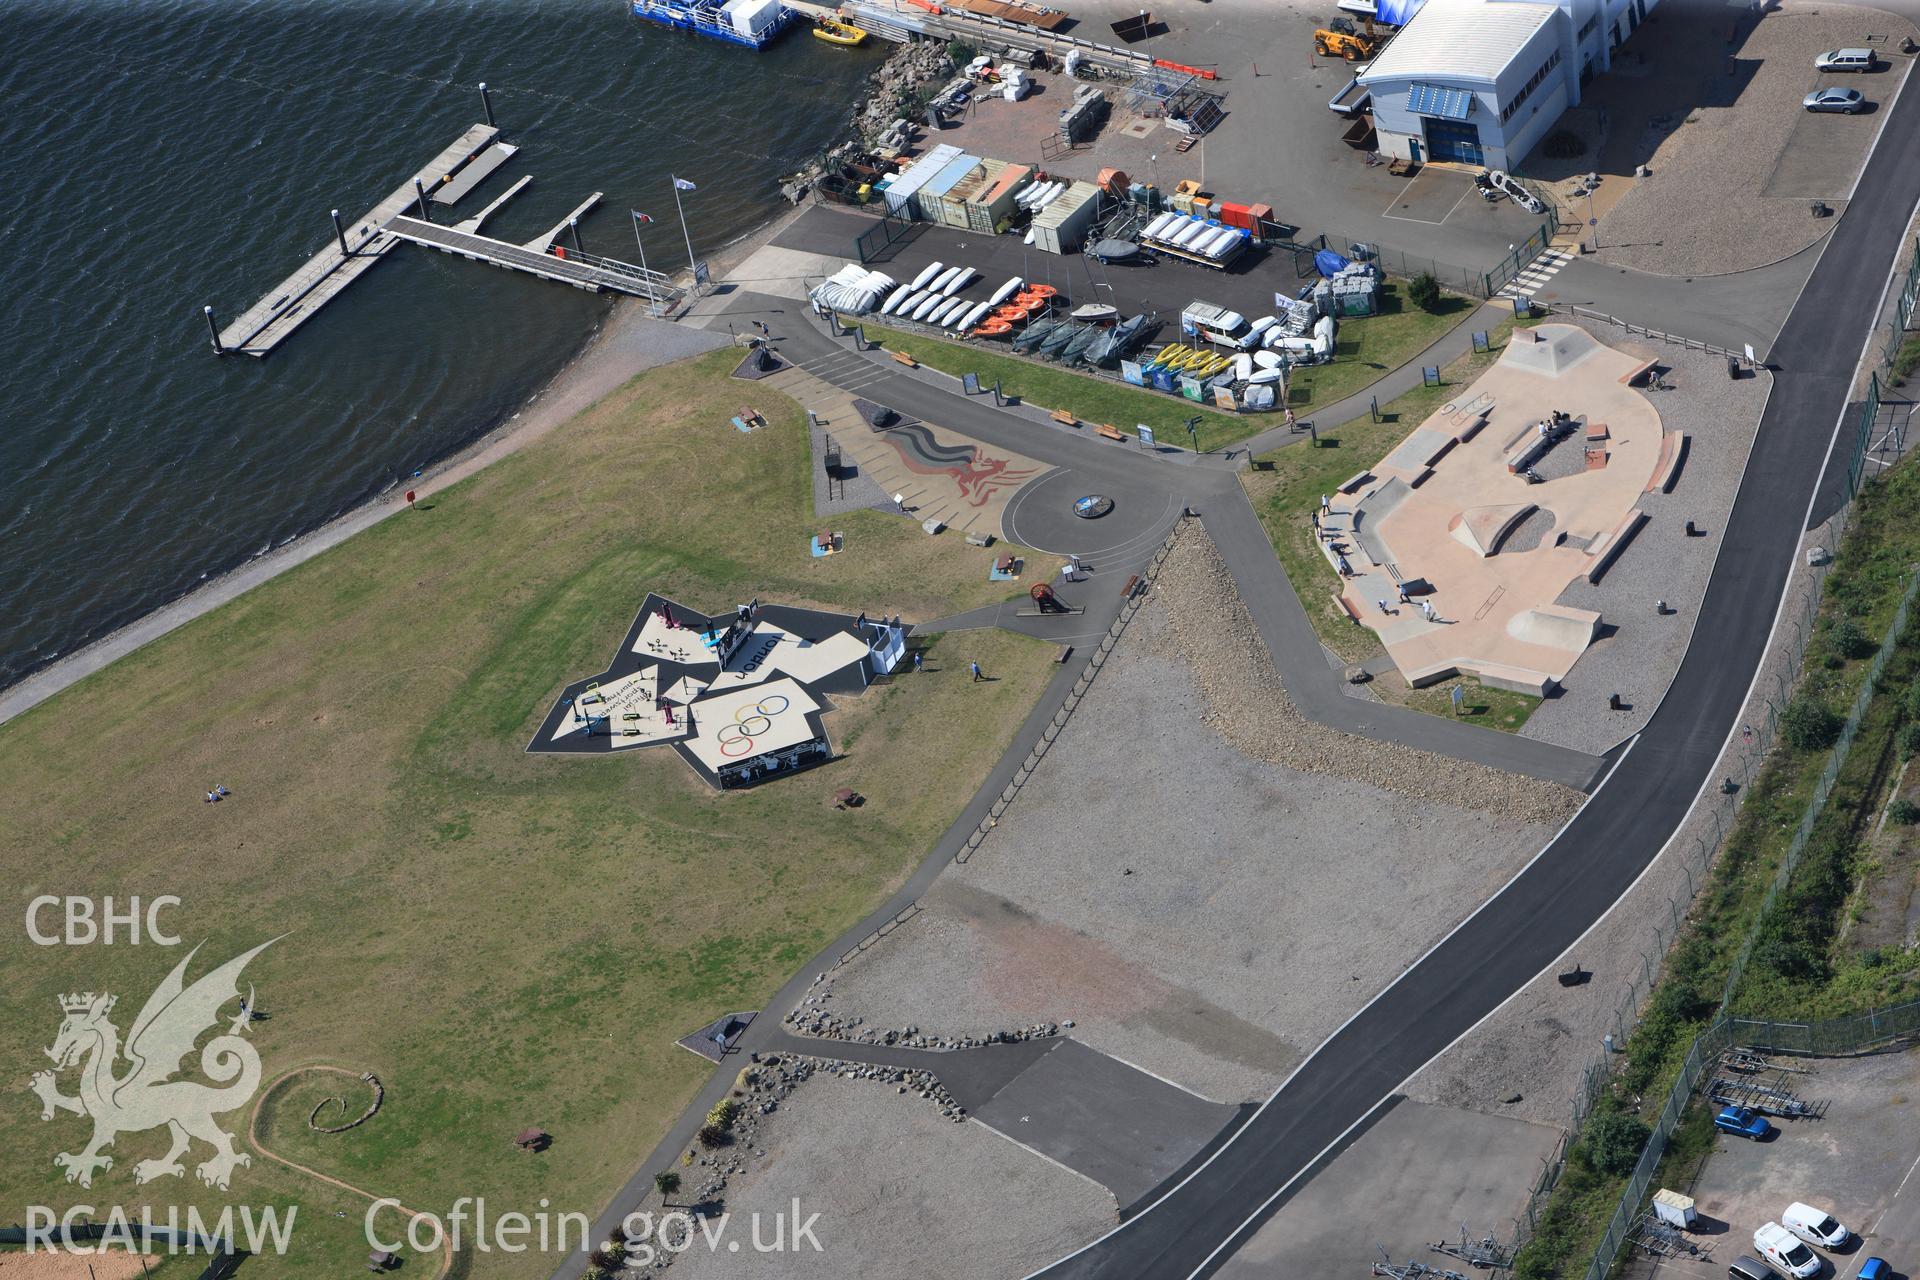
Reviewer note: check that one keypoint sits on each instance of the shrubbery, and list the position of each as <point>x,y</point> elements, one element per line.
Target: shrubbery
<point>1612,1142</point>
<point>1810,724</point>
<point>1424,291</point>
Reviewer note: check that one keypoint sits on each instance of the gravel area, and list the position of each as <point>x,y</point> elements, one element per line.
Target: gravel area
<point>1733,159</point>
<point>1539,1044</point>
<point>858,492</point>
<point>1229,925</point>
<point>898,1189</point>
<point>1639,659</point>
<point>1246,703</point>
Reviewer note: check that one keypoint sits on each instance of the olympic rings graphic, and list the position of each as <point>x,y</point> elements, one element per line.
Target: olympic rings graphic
<point>765,725</point>
<point>762,707</point>
<point>744,744</point>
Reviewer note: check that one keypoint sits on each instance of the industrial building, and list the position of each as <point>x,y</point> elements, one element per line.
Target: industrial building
<point>1481,82</point>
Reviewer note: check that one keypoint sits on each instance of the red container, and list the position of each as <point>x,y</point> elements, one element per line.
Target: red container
<point>1236,215</point>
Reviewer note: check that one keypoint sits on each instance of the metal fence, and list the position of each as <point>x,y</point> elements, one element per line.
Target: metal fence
<point>888,231</point>
<point>1868,1028</point>
<point>1909,290</point>
<point>1479,282</point>
<point>1831,1037</point>
<point>1641,330</point>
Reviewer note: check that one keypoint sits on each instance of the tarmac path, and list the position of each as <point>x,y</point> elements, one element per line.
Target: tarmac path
<point>1606,846</point>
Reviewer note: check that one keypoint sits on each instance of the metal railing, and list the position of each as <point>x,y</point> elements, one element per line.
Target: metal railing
<point>1643,331</point>
<point>1477,282</point>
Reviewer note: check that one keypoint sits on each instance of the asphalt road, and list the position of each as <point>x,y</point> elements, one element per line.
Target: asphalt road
<point>1607,845</point>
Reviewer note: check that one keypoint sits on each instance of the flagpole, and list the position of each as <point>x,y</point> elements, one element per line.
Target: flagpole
<point>635,214</point>
<point>691,266</point>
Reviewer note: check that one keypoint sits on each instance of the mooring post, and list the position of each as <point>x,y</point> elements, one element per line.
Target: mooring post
<point>573,225</point>
<point>213,328</point>
<point>486,102</point>
<point>340,234</point>
<point>420,194</point>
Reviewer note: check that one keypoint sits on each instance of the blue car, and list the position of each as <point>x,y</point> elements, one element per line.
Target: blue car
<point>1875,1269</point>
<point>1744,1121</point>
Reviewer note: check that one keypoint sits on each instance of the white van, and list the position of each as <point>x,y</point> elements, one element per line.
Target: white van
<point>1779,1247</point>
<point>1845,60</point>
<point>1815,1226</point>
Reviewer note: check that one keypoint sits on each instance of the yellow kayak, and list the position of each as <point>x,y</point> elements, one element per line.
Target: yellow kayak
<point>842,33</point>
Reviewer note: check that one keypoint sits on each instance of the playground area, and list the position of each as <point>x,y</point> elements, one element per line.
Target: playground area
<point>739,696</point>
<point>1456,546</point>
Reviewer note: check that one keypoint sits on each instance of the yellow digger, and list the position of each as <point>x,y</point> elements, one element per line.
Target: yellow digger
<point>1341,41</point>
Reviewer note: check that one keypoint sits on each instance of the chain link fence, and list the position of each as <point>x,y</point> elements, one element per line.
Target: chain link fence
<point>1708,1046</point>
<point>1479,282</point>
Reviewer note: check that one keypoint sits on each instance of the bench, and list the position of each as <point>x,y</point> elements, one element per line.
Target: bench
<point>1133,585</point>
<point>1102,429</point>
<point>1353,614</point>
<point>1064,418</point>
<point>901,357</point>
<point>1065,652</point>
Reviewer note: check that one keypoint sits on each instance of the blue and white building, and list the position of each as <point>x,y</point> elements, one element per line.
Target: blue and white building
<point>1481,82</point>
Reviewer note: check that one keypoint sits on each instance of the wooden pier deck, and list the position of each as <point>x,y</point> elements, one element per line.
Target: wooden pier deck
<point>294,300</point>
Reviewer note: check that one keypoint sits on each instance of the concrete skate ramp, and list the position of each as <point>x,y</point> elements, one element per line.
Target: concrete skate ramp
<point>1555,349</point>
<point>1556,626</point>
<point>1370,511</point>
<point>1482,529</point>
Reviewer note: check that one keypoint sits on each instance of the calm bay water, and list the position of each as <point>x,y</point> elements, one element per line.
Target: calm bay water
<point>162,156</point>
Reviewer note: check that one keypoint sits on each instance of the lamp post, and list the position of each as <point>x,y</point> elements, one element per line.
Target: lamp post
<point>644,274</point>
<point>1193,431</point>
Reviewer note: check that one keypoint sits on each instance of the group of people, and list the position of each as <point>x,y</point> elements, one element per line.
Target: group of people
<point>1340,562</point>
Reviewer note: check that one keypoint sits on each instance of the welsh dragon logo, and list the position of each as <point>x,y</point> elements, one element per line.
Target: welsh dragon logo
<point>144,1096</point>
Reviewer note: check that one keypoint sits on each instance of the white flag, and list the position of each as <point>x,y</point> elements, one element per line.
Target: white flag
<point>684,185</point>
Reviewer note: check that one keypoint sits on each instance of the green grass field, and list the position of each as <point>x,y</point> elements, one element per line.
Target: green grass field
<point>1364,351</point>
<point>1480,704</point>
<point>507,940</point>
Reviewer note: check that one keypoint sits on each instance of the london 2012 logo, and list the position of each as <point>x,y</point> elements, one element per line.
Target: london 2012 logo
<point>129,1088</point>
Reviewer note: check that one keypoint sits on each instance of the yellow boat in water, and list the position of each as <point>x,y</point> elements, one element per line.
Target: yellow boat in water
<point>844,33</point>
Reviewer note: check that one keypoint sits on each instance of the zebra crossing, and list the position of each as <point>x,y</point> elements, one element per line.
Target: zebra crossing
<point>1537,273</point>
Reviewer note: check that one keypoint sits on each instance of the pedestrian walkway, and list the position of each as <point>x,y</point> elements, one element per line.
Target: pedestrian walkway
<point>1538,272</point>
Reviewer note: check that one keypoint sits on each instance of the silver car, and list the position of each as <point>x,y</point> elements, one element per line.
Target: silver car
<point>1846,101</point>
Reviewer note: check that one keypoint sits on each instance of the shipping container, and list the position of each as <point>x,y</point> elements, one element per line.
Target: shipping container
<point>901,190</point>
<point>990,210</point>
<point>926,201</point>
<point>1062,225</point>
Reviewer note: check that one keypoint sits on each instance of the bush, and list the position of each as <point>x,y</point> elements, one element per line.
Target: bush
<point>1810,724</point>
<point>666,1182</point>
<point>1424,291</point>
<point>1613,1142</point>
<point>1904,812</point>
<point>959,53</point>
<point>1910,738</point>
<point>1851,641</point>
<point>723,1114</point>
<point>711,1136</point>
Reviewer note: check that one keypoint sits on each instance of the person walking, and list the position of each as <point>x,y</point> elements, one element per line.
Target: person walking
<point>1403,594</point>
<point>1426,607</point>
<point>916,662</point>
<point>1326,504</point>
<point>1383,606</point>
<point>975,668</point>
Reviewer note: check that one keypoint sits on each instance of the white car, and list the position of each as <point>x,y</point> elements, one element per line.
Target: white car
<point>1784,1250</point>
<point>1815,1226</point>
